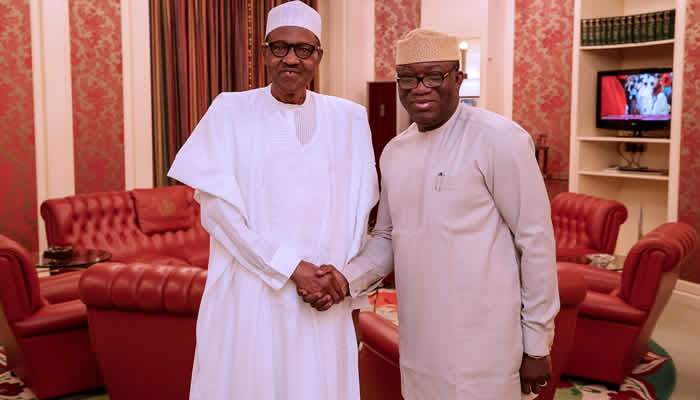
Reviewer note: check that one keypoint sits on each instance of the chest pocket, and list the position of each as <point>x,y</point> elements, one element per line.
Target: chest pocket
<point>460,194</point>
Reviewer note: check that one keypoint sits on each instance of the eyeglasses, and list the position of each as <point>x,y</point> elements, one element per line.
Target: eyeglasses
<point>302,50</point>
<point>431,80</point>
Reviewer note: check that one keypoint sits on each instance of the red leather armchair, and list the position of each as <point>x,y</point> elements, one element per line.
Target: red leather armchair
<point>142,324</point>
<point>47,342</point>
<point>613,329</point>
<point>379,355</point>
<point>585,224</point>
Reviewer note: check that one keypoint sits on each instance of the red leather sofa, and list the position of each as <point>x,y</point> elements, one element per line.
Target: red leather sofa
<point>46,338</point>
<point>157,226</point>
<point>613,329</point>
<point>585,224</point>
<point>142,322</point>
<point>379,355</point>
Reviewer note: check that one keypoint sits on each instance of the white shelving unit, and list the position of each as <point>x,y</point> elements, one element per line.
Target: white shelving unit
<point>651,199</point>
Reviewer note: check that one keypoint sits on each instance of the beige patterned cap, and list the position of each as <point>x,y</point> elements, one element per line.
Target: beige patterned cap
<point>423,45</point>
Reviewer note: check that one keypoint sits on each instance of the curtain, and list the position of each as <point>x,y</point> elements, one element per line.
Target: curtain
<point>194,57</point>
<point>200,48</point>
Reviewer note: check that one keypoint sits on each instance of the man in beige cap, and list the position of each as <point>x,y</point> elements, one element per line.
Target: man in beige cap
<point>464,221</point>
<point>285,179</point>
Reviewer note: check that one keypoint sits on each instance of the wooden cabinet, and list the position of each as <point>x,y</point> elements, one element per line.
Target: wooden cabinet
<point>382,114</point>
<point>381,109</point>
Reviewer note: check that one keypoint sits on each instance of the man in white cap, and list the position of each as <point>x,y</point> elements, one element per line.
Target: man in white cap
<point>464,220</point>
<point>285,179</point>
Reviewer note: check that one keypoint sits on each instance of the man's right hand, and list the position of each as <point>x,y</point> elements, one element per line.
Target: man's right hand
<point>324,287</point>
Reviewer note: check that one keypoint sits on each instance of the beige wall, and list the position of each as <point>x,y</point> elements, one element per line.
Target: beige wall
<point>497,76</point>
<point>348,41</point>
<point>463,18</point>
<point>491,22</point>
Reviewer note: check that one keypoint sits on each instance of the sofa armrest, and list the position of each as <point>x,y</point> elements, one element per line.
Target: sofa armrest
<point>143,287</point>
<point>611,308</point>
<point>61,287</point>
<point>53,318</point>
<point>380,335</point>
<point>597,279</point>
<point>572,285</point>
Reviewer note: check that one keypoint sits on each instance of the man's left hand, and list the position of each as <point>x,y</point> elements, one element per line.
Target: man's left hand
<point>534,374</point>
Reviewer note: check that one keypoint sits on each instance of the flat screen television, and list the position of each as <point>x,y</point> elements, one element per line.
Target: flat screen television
<point>635,100</point>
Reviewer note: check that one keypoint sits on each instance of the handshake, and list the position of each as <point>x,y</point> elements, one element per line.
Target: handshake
<point>321,287</point>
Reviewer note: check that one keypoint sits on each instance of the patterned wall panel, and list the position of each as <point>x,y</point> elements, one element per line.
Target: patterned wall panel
<point>542,76</point>
<point>393,19</point>
<point>98,106</point>
<point>689,192</point>
<point>18,213</point>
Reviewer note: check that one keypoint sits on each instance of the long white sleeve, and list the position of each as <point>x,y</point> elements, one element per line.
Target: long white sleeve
<point>271,261</point>
<point>376,259</point>
<point>521,198</point>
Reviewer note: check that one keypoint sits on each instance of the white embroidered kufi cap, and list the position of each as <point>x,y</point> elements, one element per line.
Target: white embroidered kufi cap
<point>424,45</point>
<point>294,13</point>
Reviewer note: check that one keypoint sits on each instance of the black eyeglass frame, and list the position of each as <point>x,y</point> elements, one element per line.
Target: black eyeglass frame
<point>420,79</point>
<point>295,46</point>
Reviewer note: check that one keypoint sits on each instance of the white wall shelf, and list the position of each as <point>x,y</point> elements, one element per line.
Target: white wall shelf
<point>625,175</point>
<point>628,45</point>
<point>622,139</point>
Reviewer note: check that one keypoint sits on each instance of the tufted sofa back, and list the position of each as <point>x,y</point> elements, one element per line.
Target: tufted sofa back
<point>117,222</point>
<point>582,221</point>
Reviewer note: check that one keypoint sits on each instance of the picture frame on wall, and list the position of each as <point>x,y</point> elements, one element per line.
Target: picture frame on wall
<point>469,100</point>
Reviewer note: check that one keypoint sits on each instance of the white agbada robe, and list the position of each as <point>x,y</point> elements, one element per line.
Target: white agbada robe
<point>464,219</point>
<point>268,202</point>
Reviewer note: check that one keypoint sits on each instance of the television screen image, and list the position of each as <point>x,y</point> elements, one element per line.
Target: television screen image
<point>635,100</point>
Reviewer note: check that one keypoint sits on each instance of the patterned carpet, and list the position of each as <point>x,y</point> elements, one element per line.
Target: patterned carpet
<point>653,379</point>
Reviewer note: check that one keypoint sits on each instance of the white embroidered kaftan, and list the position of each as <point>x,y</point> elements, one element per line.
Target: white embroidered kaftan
<point>270,198</point>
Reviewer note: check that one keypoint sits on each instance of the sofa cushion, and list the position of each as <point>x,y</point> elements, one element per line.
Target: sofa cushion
<point>61,287</point>
<point>199,258</point>
<point>162,209</point>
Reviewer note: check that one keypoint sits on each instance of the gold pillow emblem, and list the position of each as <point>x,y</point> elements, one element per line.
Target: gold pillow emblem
<point>166,208</point>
